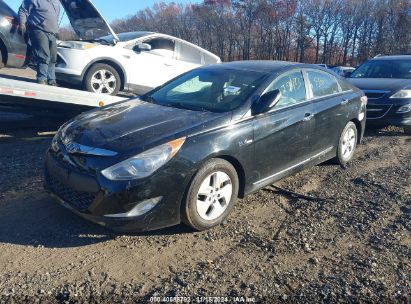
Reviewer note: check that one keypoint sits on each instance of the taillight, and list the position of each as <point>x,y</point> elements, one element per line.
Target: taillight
<point>364,100</point>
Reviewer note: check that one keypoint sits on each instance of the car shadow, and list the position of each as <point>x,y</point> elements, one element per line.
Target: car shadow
<point>38,220</point>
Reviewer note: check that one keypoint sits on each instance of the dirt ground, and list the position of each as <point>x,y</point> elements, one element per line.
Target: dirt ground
<point>275,248</point>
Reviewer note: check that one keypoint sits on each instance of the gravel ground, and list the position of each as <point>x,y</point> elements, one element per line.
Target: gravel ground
<point>353,247</point>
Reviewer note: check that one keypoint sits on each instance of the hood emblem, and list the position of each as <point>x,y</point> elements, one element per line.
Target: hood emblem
<point>75,148</point>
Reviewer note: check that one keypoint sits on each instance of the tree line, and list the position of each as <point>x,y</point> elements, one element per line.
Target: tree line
<point>344,32</point>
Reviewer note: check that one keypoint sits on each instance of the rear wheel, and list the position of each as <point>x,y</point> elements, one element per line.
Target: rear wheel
<point>102,79</point>
<point>347,144</point>
<point>211,196</point>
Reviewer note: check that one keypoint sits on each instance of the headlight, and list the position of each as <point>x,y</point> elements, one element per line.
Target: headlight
<point>402,94</point>
<point>144,164</point>
<point>404,109</point>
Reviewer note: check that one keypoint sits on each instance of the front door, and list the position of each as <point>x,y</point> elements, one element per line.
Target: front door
<point>149,69</point>
<point>282,136</point>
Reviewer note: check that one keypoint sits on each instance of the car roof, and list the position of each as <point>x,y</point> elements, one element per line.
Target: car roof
<point>393,57</point>
<point>259,65</point>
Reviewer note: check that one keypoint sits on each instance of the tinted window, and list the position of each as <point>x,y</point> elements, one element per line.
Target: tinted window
<point>210,89</point>
<point>322,84</point>
<point>292,88</point>
<point>161,47</point>
<point>384,69</point>
<point>190,54</point>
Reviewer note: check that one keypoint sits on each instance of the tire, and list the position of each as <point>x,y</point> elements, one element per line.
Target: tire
<point>205,210</point>
<point>1,57</point>
<point>103,79</point>
<point>407,130</point>
<point>347,144</point>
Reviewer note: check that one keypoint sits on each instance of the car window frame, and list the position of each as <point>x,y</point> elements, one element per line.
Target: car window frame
<point>266,90</point>
<point>311,95</point>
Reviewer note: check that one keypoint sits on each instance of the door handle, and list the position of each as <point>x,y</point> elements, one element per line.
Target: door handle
<point>168,64</point>
<point>344,102</point>
<point>308,116</point>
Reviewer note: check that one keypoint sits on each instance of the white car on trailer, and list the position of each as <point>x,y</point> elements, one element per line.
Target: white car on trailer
<point>105,62</point>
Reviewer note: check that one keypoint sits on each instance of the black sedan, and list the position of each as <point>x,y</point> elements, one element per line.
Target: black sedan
<point>386,80</point>
<point>187,150</point>
<point>13,47</point>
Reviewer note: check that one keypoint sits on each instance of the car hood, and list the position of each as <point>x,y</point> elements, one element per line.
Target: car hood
<point>380,84</point>
<point>134,126</point>
<point>86,20</point>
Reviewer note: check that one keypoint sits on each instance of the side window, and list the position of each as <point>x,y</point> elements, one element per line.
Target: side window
<point>322,84</point>
<point>292,88</point>
<point>345,86</point>
<point>161,47</point>
<point>190,54</point>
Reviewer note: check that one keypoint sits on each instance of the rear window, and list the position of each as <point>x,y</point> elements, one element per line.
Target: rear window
<point>400,69</point>
<point>322,84</point>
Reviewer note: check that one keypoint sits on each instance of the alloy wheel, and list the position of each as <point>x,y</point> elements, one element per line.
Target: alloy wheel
<point>103,82</point>
<point>348,143</point>
<point>214,195</point>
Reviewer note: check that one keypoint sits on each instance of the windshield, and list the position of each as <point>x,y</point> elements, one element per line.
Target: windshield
<point>208,89</point>
<point>400,69</point>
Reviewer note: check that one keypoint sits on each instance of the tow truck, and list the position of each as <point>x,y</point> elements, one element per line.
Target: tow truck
<point>24,103</point>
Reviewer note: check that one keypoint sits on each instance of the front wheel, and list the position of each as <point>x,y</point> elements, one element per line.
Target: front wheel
<point>102,79</point>
<point>347,144</point>
<point>211,195</point>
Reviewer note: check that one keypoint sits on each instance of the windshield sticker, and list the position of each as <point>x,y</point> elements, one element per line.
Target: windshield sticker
<point>232,90</point>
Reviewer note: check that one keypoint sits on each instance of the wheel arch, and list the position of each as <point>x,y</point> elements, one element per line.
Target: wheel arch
<point>359,129</point>
<point>114,63</point>
<point>231,160</point>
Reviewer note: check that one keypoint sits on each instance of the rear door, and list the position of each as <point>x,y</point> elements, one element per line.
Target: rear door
<point>189,57</point>
<point>282,136</point>
<point>330,110</point>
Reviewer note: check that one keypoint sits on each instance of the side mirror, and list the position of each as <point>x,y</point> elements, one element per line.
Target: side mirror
<point>267,102</point>
<point>142,47</point>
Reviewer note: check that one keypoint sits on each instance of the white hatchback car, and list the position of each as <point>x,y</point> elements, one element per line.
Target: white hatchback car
<point>104,62</point>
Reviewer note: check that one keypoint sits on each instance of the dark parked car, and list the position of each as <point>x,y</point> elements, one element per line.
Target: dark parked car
<point>386,81</point>
<point>187,150</point>
<point>13,47</point>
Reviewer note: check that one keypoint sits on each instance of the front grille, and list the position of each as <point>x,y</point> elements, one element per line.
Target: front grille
<point>375,94</point>
<point>81,201</point>
<point>377,111</point>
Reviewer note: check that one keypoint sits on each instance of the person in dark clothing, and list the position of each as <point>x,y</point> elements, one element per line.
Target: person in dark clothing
<point>40,19</point>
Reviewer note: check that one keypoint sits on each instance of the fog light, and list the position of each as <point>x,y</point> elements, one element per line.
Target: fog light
<point>404,109</point>
<point>139,209</point>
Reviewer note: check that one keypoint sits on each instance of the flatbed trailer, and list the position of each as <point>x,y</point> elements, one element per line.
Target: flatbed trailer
<point>30,92</point>
<point>25,104</point>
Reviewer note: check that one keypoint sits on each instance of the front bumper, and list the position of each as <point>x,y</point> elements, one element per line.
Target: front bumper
<point>382,112</point>
<point>92,198</point>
